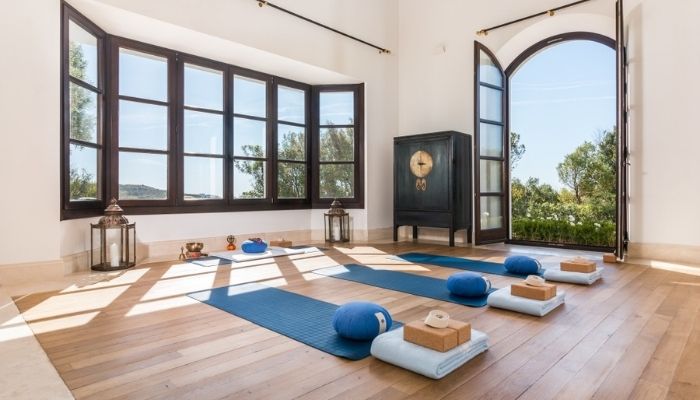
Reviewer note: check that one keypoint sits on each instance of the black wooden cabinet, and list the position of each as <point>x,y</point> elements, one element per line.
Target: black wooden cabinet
<point>432,182</point>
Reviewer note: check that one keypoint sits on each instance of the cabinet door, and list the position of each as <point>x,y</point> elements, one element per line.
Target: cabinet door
<point>430,190</point>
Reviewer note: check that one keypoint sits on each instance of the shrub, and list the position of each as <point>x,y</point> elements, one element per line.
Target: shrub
<point>564,231</point>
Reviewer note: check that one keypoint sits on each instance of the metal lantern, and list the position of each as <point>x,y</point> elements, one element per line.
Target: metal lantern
<point>116,240</point>
<point>337,223</point>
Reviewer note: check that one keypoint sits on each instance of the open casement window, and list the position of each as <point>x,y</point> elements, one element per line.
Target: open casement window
<point>83,81</point>
<point>491,146</point>
<point>622,142</point>
<point>338,145</point>
<point>143,122</point>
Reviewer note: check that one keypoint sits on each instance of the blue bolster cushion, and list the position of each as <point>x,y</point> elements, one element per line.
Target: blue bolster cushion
<point>250,246</point>
<point>522,265</point>
<point>468,284</point>
<point>361,320</point>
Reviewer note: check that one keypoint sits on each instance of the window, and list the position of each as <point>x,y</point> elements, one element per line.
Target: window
<point>203,122</point>
<point>143,124</point>
<point>250,137</point>
<point>83,126</point>
<point>292,141</point>
<point>189,134</point>
<point>338,140</point>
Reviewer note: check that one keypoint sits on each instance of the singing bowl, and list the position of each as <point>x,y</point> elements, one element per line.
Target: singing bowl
<point>194,247</point>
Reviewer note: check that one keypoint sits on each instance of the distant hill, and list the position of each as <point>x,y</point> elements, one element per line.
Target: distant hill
<point>140,192</point>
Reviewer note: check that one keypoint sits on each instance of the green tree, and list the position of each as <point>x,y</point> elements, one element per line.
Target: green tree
<point>82,184</point>
<point>253,168</point>
<point>291,177</point>
<point>576,172</point>
<point>517,150</point>
<point>337,144</point>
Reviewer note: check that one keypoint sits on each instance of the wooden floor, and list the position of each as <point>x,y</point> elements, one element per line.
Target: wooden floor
<point>136,335</point>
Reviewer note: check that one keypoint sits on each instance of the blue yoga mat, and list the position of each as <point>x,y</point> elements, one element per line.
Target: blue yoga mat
<point>418,285</point>
<point>298,317</point>
<point>484,267</point>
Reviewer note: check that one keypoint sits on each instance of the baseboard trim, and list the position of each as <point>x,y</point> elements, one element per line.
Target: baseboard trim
<point>649,253</point>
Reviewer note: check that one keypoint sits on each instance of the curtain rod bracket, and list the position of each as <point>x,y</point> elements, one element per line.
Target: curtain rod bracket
<point>261,3</point>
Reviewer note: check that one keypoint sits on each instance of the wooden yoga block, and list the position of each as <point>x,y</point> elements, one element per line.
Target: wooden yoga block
<point>609,258</point>
<point>578,265</point>
<point>281,243</point>
<point>545,292</point>
<point>439,339</point>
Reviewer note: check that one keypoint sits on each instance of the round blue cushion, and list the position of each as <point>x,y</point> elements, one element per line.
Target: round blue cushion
<point>250,246</point>
<point>523,265</point>
<point>358,320</point>
<point>468,284</point>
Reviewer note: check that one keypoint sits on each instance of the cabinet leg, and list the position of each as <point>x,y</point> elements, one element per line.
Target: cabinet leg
<point>452,237</point>
<point>469,235</point>
<point>415,231</point>
<point>396,233</point>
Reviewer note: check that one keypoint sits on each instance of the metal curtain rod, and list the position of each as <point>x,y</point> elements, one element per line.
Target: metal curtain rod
<point>262,3</point>
<point>546,12</point>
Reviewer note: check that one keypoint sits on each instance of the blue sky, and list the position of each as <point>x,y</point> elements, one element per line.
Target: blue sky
<point>561,97</point>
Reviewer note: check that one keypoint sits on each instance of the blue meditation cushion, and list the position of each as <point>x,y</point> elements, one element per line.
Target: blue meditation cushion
<point>361,320</point>
<point>250,246</point>
<point>468,284</point>
<point>522,265</point>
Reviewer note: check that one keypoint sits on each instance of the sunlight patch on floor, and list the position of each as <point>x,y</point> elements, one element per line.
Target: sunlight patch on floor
<point>71,303</point>
<point>178,286</point>
<point>379,259</point>
<point>258,273</point>
<point>359,250</point>
<point>57,324</point>
<point>683,269</point>
<point>14,328</point>
<point>106,279</point>
<point>310,264</point>
<point>310,276</point>
<point>160,305</point>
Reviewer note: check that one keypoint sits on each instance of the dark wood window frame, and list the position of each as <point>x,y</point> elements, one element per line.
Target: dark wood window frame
<point>108,70</point>
<point>357,201</point>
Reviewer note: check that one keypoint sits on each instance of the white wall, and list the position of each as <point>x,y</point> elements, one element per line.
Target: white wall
<point>30,116</point>
<point>233,31</point>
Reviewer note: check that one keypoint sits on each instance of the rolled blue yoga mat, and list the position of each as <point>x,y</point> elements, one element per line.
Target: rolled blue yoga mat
<point>298,317</point>
<point>484,267</point>
<point>418,285</point>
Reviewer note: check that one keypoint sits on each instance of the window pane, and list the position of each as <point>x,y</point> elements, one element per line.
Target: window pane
<point>336,108</point>
<point>204,132</point>
<point>143,75</point>
<point>249,137</point>
<point>291,142</point>
<point>249,96</point>
<point>491,214</point>
<point>143,176</point>
<point>204,87</point>
<point>488,71</point>
<point>83,114</point>
<point>291,181</point>
<point>490,175</point>
<point>84,173</point>
<point>204,178</point>
<point>82,54</point>
<point>143,126</point>
<point>291,105</point>
<point>249,179</point>
<point>337,144</point>
<point>490,104</point>
<point>337,180</point>
<point>491,140</point>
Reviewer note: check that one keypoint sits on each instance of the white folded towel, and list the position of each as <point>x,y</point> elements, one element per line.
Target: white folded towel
<point>502,298</point>
<point>578,278</point>
<point>390,347</point>
<point>240,256</point>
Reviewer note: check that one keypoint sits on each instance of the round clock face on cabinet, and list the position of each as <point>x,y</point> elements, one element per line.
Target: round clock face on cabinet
<point>421,163</point>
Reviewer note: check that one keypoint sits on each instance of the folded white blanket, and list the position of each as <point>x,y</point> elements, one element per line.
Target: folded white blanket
<point>390,347</point>
<point>502,298</point>
<point>579,278</point>
<point>240,256</point>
